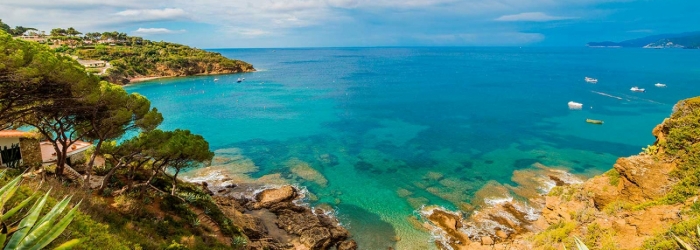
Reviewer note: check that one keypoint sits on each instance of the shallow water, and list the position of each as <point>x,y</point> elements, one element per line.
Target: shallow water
<point>379,132</point>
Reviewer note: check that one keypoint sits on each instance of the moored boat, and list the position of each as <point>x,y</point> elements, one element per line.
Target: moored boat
<point>637,89</point>
<point>575,105</point>
<point>591,80</point>
<point>660,85</point>
<point>239,80</point>
<point>599,122</point>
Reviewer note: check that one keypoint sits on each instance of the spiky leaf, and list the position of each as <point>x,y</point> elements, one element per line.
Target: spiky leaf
<point>27,223</point>
<point>579,244</point>
<point>68,244</point>
<point>684,244</point>
<point>19,206</point>
<point>56,229</point>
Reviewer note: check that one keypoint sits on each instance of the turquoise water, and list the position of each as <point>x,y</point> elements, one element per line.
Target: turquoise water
<point>378,132</point>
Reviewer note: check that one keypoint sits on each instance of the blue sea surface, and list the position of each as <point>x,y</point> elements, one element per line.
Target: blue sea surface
<point>376,133</point>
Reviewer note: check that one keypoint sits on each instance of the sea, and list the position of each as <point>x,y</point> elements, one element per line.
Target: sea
<point>377,134</point>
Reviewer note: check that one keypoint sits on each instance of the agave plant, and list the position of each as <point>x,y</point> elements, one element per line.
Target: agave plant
<point>579,244</point>
<point>684,244</point>
<point>33,231</point>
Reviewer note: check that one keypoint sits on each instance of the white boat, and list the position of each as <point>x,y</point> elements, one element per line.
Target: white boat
<point>591,80</point>
<point>637,89</point>
<point>660,85</point>
<point>243,78</point>
<point>239,80</point>
<point>216,79</point>
<point>575,105</point>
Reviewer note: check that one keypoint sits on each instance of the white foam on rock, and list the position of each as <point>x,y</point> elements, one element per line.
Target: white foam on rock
<point>496,201</point>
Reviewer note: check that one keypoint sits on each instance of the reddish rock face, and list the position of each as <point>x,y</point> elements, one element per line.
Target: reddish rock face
<point>642,178</point>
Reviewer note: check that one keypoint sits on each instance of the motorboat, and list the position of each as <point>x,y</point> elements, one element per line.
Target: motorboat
<point>575,105</point>
<point>660,85</point>
<point>637,89</point>
<point>239,80</point>
<point>592,121</point>
<point>216,79</point>
<point>591,80</point>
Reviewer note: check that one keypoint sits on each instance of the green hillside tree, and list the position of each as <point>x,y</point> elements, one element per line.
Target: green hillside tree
<point>115,112</point>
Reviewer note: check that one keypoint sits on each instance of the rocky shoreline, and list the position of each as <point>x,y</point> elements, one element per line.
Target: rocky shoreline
<point>274,219</point>
<point>615,210</point>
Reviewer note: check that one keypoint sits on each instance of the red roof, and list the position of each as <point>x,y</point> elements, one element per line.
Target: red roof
<point>14,134</point>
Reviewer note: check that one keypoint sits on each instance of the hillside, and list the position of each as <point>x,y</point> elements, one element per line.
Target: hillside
<point>688,40</point>
<point>643,202</point>
<point>125,187</point>
<point>157,59</point>
<point>120,58</point>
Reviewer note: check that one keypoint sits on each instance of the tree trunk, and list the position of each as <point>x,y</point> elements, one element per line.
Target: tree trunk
<point>88,169</point>
<point>60,157</point>
<point>108,176</point>
<point>174,182</point>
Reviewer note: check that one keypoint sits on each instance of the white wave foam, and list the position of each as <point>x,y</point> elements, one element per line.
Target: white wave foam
<point>608,95</point>
<point>211,176</point>
<point>496,201</point>
<point>567,177</point>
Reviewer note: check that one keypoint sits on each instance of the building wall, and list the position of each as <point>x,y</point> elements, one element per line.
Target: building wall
<point>31,152</point>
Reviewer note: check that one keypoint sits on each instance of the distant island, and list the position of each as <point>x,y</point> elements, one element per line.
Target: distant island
<point>122,59</point>
<point>688,40</point>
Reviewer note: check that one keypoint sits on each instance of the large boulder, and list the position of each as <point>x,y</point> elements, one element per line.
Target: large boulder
<point>269,197</point>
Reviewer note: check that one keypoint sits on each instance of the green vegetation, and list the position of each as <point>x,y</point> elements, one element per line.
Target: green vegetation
<point>139,204</point>
<point>613,176</point>
<point>32,231</point>
<point>555,233</point>
<point>17,31</point>
<point>148,58</point>
<point>683,145</point>
<point>131,57</point>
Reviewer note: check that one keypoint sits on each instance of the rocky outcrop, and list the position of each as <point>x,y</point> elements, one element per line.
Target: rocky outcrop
<point>271,220</point>
<point>643,178</point>
<point>615,208</point>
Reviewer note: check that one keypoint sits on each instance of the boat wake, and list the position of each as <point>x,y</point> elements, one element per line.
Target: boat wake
<point>609,95</point>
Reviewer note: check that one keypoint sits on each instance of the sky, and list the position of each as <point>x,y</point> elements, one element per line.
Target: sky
<point>361,23</point>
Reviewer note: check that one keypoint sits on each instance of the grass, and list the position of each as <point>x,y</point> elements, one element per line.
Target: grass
<point>554,234</point>
<point>613,177</point>
<point>617,206</point>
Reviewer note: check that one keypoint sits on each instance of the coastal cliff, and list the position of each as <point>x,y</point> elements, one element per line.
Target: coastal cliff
<point>144,59</point>
<point>641,203</point>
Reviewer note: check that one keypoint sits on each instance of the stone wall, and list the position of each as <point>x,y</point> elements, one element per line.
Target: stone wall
<point>31,152</point>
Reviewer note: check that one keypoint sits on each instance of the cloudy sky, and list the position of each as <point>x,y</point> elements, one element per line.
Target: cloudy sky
<point>323,23</point>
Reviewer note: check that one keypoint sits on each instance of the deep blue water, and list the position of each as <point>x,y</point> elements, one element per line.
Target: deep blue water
<point>378,132</point>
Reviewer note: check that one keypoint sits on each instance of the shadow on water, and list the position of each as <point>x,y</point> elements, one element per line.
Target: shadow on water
<point>370,231</point>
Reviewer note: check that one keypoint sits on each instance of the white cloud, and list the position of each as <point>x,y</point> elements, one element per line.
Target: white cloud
<point>258,19</point>
<point>531,17</point>
<point>153,14</point>
<point>157,31</point>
